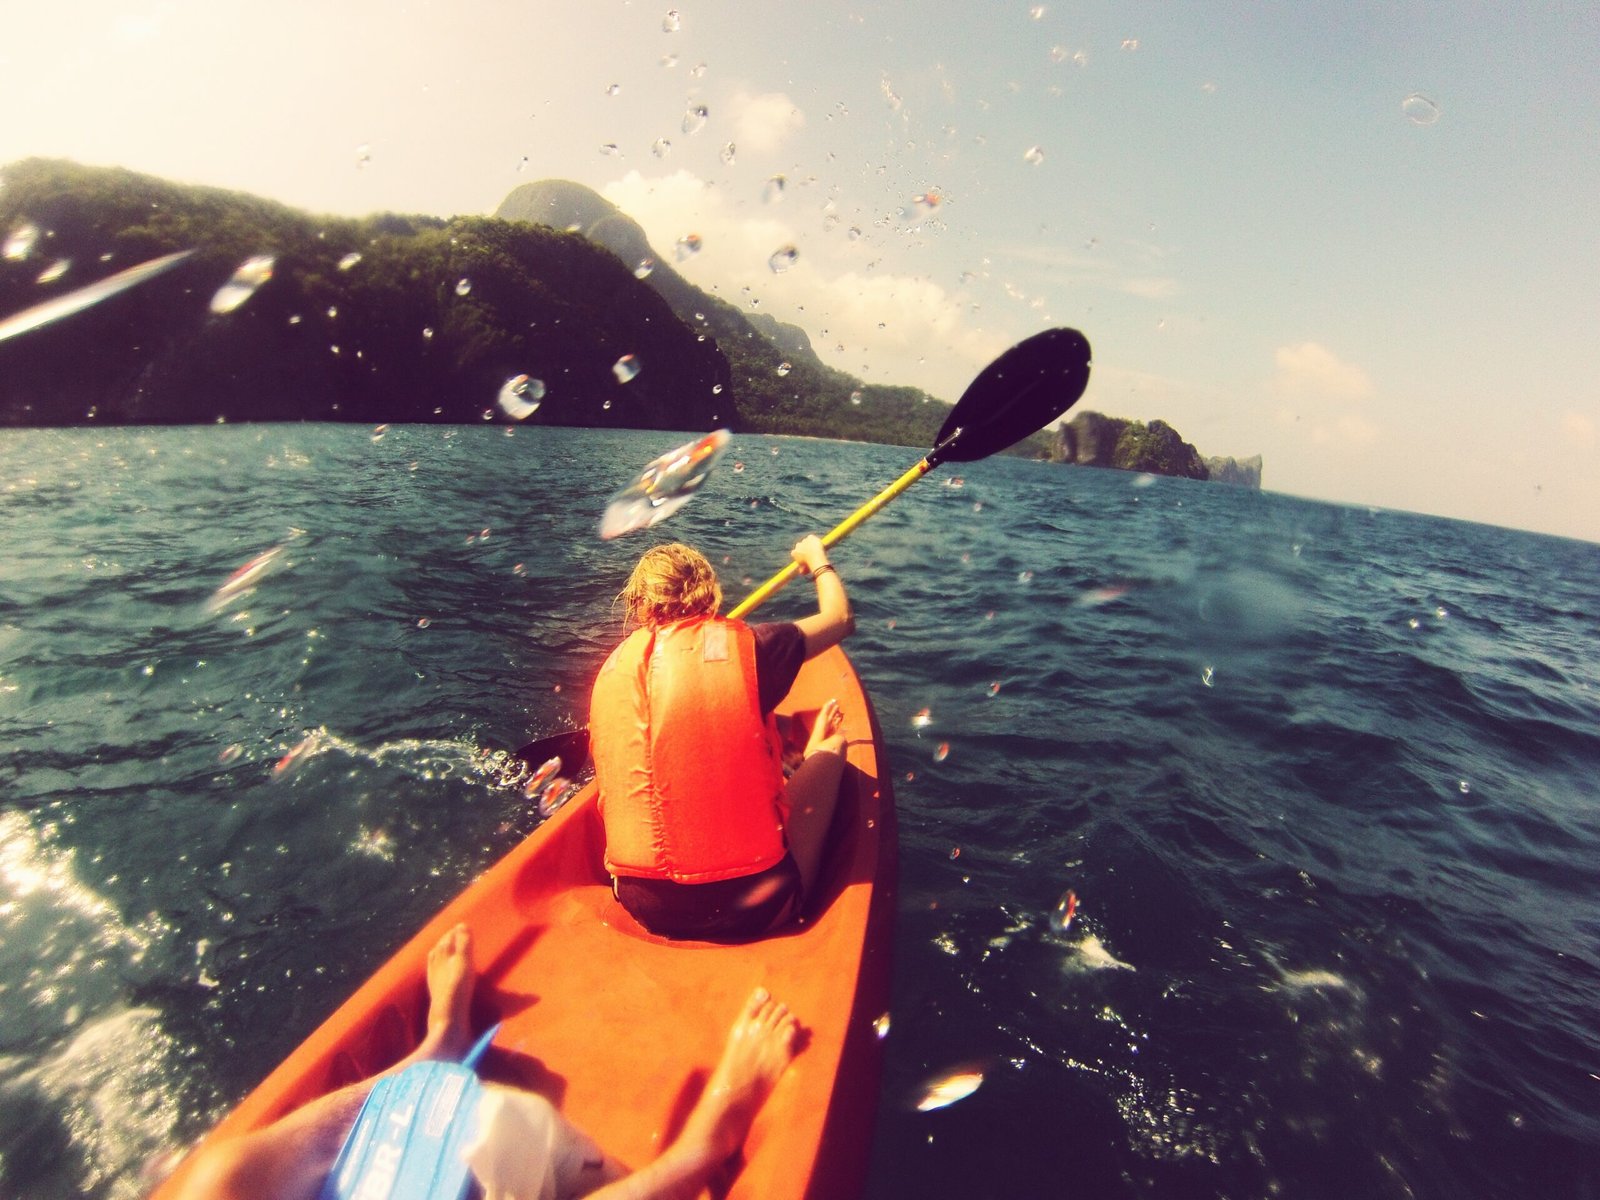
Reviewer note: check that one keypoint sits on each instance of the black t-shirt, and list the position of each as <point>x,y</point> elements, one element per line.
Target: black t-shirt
<point>780,652</point>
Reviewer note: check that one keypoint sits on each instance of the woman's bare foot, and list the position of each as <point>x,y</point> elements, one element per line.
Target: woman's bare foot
<point>759,1049</point>
<point>450,982</point>
<point>825,733</point>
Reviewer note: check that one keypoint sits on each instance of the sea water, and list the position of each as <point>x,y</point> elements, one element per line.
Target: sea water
<point>1322,780</point>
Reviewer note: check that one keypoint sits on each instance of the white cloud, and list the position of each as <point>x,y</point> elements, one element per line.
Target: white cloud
<point>1311,371</point>
<point>1577,429</point>
<point>1151,288</point>
<point>764,122</point>
<point>882,327</point>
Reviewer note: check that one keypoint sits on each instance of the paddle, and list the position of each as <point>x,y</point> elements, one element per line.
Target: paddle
<point>1017,394</point>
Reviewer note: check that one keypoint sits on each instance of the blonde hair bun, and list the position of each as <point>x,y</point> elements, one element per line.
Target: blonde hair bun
<point>670,583</point>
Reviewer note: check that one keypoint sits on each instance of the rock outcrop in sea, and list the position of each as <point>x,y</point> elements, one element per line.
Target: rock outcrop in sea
<point>1091,439</point>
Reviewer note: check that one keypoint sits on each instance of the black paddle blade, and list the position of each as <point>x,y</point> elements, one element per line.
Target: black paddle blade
<point>571,747</point>
<point>1017,394</point>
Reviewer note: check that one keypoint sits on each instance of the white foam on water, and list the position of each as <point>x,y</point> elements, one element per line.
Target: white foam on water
<point>107,1076</point>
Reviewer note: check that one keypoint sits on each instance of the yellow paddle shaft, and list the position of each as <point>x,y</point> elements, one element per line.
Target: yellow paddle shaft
<point>835,535</point>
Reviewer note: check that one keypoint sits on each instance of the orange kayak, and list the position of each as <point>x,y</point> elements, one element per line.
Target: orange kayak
<point>619,1028</point>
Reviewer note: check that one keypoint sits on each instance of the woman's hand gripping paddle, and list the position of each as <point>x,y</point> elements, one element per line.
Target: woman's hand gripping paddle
<point>1016,395</point>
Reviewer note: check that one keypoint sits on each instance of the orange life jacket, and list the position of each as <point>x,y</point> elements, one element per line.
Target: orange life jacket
<point>690,775</point>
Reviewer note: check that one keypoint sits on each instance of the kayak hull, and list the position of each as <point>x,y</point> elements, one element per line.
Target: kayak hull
<point>620,1028</point>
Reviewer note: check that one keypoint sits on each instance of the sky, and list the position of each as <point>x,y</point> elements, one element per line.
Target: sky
<point>1360,240</point>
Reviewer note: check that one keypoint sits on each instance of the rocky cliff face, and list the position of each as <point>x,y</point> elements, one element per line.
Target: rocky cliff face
<point>1242,472</point>
<point>1091,439</point>
<point>562,204</point>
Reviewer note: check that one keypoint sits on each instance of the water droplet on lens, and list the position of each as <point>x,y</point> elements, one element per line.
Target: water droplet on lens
<point>427,333</point>
<point>955,853</point>
<point>463,286</point>
<point>881,1026</point>
<point>1037,12</point>
<point>772,190</point>
<point>716,389</point>
<point>661,147</point>
<point>664,486</point>
<point>942,753</point>
<point>1419,110</point>
<point>1465,787</point>
<point>728,152</point>
<point>625,368</point>
<point>671,23</point>
<point>21,241</point>
<point>363,156</point>
<point>1033,155</point>
<point>614,89</point>
<point>252,273</point>
<point>1024,576</point>
<point>54,271</point>
<point>349,260</point>
<point>378,432</point>
<point>1130,43</point>
<point>855,397</point>
<point>994,689</point>
<point>642,271</point>
<point>610,149</point>
<point>695,119</point>
<point>606,406</point>
<point>1066,908</point>
<point>520,396</point>
<point>923,719</point>
<point>784,368</point>
<point>948,1087</point>
<point>1208,675</point>
<point>688,246</point>
<point>782,259</point>
<point>424,622</point>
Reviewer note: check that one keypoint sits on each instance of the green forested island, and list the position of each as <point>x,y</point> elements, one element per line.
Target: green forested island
<point>393,318</point>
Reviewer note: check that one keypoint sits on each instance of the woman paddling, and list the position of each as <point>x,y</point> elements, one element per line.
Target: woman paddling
<point>704,839</point>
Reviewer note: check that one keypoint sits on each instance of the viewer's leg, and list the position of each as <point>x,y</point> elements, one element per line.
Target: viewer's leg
<point>759,1049</point>
<point>814,793</point>
<point>290,1158</point>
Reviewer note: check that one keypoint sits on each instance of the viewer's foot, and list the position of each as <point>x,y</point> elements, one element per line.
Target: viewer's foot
<point>825,733</point>
<point>759,1049</point>
<point>450,982</point>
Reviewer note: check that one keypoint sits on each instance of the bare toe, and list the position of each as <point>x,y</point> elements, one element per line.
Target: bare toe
<point>450,982</point>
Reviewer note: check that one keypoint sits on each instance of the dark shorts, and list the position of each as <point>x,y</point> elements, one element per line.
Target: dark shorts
<point>728,910</point>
